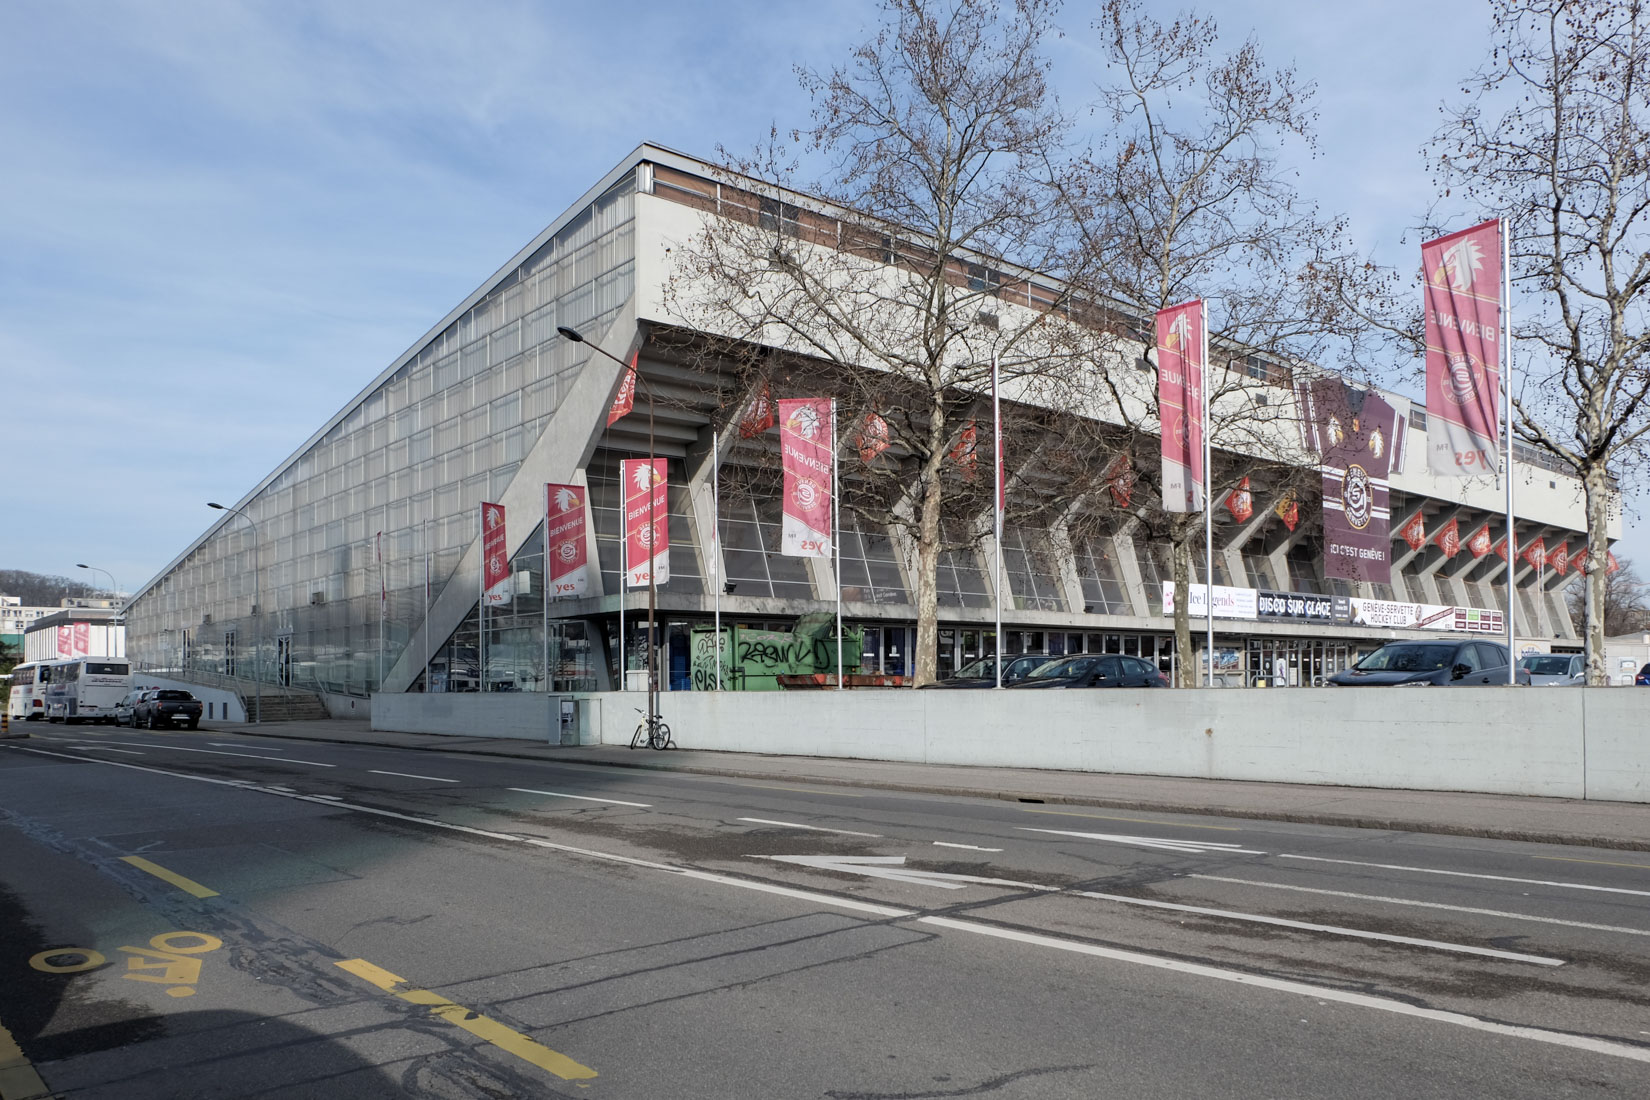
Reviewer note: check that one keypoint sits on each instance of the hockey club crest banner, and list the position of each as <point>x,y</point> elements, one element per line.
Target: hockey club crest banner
<point>1120,478</point>
<point>1448,539</point>
<point>1415,531</point>
<point>646,522</point>
<point>872,439</point>
<point>1463,328</point>
<point>566,551</point>
<point>495,557</point>
<point>807,435</point>
<point>1180,404</point>
<point>758,415</point>
<point>1479,544</point>
<point>1351,431</point>
<point>1241,502</point>
<point>1559,559</point>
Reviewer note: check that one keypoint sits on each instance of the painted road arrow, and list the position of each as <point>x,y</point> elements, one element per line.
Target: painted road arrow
<point>893,868</point>
<point>1196,847</point>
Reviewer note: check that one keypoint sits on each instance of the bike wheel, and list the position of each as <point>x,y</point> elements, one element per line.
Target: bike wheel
<point>660,738</point>
<point>640,737</point>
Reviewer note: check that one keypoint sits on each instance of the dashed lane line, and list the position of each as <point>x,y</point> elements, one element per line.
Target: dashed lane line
<point>1136,820</point>
<point>798,825</point>
<point>409,775</point>
<point>187,885</point>
<point>216,752</point>
<point>970,847</point>
<point>1320,993</point>
<point>1469,874</point>
<point>803,790</point>
<point>581,797</point>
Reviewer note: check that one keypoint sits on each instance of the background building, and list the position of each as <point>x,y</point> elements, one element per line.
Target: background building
<point>367,536</point>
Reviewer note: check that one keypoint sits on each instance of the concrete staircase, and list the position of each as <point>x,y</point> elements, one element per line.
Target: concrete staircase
<point>291,706</point>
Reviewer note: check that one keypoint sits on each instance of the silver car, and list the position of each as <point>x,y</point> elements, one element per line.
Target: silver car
<point>1554,669</point>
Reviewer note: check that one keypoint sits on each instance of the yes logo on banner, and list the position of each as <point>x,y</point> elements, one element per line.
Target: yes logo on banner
<point>496,589</point>
<point>646,522</point>
<point>1462,306</point>
<point>807,442</point>
<point>1180,404</point>
<point>625,399</point>
<point>566,549</point>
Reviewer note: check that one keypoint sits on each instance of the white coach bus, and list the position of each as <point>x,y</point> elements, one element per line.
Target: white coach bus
<point>26,701</point>
<point>86,689</point>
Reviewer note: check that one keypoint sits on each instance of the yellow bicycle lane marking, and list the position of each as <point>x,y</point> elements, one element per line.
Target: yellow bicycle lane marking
<point>187,885</point>
<point>18,1080</point>
<point>167,960</point>
<point>506,1039</point>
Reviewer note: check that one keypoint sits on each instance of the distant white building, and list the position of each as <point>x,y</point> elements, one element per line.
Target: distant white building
<point>1625,654</point>
<point>14,617</point>
<point>80,628</point>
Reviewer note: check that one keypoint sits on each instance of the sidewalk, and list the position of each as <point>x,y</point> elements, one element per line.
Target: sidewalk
<point>1623,825</point>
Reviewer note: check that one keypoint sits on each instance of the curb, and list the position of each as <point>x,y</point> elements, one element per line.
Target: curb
<point>1348,821</point>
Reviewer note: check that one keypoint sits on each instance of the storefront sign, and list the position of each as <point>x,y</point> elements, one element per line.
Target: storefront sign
<point>1426,616</point>
<point>1304,606</point>
<point>1230,603</point>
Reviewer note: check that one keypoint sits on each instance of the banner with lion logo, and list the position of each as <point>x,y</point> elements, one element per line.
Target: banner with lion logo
<point>566,552</point>
<point>646,522</point>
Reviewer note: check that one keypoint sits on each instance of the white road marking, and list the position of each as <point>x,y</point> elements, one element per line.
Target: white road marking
<point>581,797</point>
<point>970,847</point>
<point>409,775</point>
<point>215,752</point>
<point>238,745</point>
<point>1316,992</point>
<point>1358,933</point>
<point>110,748</point>
<point>329,797</point>
<point>893,867</point>
<point>1469,874</point>
<point>1194,847</point>
<point>1429,905</point>
<point>815,828</point>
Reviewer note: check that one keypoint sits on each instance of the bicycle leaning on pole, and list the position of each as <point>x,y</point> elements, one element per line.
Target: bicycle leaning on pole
<point>652,732</point>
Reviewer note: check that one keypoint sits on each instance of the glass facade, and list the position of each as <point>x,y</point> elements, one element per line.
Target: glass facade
<point>346,531</point>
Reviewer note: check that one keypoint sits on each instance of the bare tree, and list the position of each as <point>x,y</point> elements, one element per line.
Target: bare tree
<point>1556,139</point>
<point>1626,608</point>
<point>942,140</point>
<point>1186,199</point>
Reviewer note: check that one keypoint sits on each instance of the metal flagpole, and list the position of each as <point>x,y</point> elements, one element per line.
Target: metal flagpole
<point>1506,379</point>
<point>427,605</point>
<point>997,511</point>
<point>1208,512</point>
<point>836,542</point>
<point>624,578</point>
<point>544,592</point>
<point>481,599</point>
<point>383,598</point>
<point>716,541</point>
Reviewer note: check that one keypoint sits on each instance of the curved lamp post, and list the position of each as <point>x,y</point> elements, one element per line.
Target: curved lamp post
<point>114,589</point>
<point>652,580</point>
<point>258,603</point>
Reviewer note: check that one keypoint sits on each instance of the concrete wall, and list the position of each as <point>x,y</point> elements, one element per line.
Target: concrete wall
<point>225,705</point>
<point>1556,742</point>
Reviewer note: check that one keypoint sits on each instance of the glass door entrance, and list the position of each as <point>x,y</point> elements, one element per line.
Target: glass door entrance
<point>1296,662</point>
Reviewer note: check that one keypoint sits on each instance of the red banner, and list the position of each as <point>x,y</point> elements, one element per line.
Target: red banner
<point>1463,328</point>
<point>1479,544</point>
<point>65,641</point>
<point>807,437</point>
<point>966,452</point>
<point>1180,404</point>
<point>646,522</point>
<point>566,550</point>
<point>1289,510</point>
<point>1448,539</point>
<point>625,399</point>
<point>1415,532</point>
<point>1560,559</point>
<point>495,557</point>
<point>758,415</point>
<point>1120,478</point>
<point>82,639</point>
<point>1535,554</point>
<point>1240,502</point>
<point>872,438</point>
<point>1501,548</point>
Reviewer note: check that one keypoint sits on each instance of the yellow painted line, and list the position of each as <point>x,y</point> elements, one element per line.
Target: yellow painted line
<point>506,1039</point>
<point>804,790</point>
<point>1136,820</point>
<point>1600,862</point>
<point>18,1080</point>
<point>187,885</point>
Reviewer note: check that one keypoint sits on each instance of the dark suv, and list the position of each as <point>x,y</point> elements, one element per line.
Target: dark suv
<point>1439,664</point>
<point>166,708</point>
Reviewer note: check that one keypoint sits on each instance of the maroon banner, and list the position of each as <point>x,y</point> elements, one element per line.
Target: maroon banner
<point>1479,544</point>
<point>566,551</point>
<point>807,438</point>
<point>495,556</point>
<point>1180,404</point>
<point>1448,538</point>
<point>646,522</point>
<point>1352,431</point>
<point>1463,330</point>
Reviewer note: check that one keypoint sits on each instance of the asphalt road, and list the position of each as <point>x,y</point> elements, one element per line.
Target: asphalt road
<point>221,915</point>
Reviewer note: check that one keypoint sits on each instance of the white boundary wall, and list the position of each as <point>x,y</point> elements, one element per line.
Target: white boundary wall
<point>1556,742</point>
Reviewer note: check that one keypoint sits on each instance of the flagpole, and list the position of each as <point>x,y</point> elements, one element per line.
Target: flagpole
<point>427,605</point>
<point>624,575</point>
<point>544,601</point>
<point>716,541</point>
<point>1208,484</point>
<point>383,598</point>
<point>836,542</point>
<point>997,511</point>
<point>481,601</point>
<point>1506,377</point>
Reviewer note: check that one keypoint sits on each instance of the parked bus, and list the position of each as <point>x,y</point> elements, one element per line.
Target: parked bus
<point>27,700</point>
<point>86,689</point>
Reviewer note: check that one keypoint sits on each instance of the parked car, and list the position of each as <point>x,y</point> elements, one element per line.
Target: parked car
<point>983,673</point>
<point>1555,669</point>
<point>1095,670</point>
<point>125,710</point>
<point>165,708</point>
<point>1643,678</point>
<point>1441,664</point>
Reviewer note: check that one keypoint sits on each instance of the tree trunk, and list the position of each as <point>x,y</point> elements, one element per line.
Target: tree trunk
<point>1597,486</point>
<point>1182,568</point>
<point>925,667</point>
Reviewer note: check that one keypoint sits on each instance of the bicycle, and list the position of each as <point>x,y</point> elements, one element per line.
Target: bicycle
<point>652,732</point>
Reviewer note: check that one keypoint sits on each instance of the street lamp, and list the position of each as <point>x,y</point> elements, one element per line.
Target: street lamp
<point>114,589</point>
<point>652,579</point>
<point>258,605</point>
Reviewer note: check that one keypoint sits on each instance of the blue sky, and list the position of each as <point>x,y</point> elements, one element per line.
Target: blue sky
<point>219,219</point>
